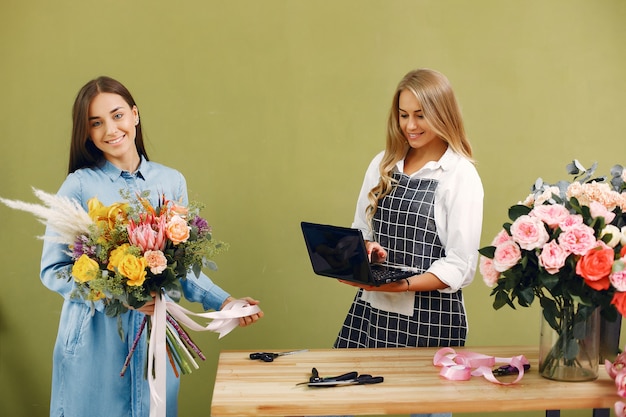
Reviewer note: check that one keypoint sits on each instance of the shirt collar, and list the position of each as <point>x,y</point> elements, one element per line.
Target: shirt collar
<point>114,172</point>
<point>447,161</point>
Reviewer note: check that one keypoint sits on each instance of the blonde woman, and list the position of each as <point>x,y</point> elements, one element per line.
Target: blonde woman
<point>421,207</point>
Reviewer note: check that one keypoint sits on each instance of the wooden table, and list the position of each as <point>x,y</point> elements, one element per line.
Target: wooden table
<point>245,387</point>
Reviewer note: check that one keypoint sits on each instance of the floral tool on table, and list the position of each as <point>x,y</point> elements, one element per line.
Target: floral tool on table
<point>565,245</point>
<point>131,252</point>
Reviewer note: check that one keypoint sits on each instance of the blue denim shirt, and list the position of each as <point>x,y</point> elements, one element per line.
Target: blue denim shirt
<point>88,353</point>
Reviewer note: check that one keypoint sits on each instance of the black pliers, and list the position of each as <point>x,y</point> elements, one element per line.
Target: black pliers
<point>350,378</point>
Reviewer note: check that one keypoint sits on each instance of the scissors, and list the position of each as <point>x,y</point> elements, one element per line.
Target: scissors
<point>269,356</point>
<point>509,370</point>
<point>350,378</point>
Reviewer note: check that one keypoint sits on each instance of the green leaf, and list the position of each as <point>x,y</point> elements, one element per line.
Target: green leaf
<point>488,251</point>
<point>501,300</point>
<point>197,269</point>
<point>517,211</point>
<point>550,312</point>
<point>571,349</point>
<point>526,295</point>
<point>548,280</point>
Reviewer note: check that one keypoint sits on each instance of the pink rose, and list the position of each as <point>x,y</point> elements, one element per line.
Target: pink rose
<point>501,237</point>
<point>571,221</point>
<point>578,239</point>
<point>177,230</point>
<point>620,406</point>
<point>599,210</point>
<point>553,257</point>
<point>550,214</point>
<point>595,267</point>
<point>529,232</point>
<point>506,256</point>
<point>618,276</point>
<point>156,261</point>
<point>489,273</point>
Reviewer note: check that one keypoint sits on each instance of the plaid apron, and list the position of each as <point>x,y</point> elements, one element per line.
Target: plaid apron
<point>404,224</point>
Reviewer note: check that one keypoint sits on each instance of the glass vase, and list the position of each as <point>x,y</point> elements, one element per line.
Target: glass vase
<point>569,348</point>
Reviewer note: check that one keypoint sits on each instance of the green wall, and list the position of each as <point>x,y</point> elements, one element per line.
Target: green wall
<point>272,109</point>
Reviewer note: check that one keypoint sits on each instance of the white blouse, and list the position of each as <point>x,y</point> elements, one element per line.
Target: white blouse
<point>458,214</point>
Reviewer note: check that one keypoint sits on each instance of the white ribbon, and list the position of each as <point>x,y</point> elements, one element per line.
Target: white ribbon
<point>156,359</point>
<point>224,321</point>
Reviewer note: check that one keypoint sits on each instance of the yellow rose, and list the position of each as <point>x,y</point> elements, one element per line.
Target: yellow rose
<point>85,269</point>
<point>116,256</point>
<point>133,268</point>
<point>109,214</point>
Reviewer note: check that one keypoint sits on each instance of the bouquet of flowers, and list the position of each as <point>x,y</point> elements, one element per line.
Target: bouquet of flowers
<point>566,246</point>
<point>129,253</point>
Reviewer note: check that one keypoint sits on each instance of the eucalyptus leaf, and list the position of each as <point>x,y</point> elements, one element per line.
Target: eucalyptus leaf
<point>571,349</point>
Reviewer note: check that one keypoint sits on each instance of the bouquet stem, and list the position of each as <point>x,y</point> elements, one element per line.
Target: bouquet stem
<point>569,350</point>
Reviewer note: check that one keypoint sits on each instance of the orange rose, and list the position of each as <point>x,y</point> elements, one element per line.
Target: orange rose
<point>619,301</point>
<point>595,267</point>
<point>177,230</point>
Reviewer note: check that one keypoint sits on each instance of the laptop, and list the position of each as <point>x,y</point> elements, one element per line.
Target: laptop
<point>339,252</point>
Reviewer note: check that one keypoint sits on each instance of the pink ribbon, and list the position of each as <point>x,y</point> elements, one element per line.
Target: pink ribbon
<point>462,366</point>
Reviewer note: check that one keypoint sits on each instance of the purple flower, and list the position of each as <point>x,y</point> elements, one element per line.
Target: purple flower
<point>81,247</point>
<point>201,224</point>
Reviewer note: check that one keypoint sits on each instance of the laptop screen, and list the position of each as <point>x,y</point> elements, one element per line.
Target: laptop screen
<point>337,252</point>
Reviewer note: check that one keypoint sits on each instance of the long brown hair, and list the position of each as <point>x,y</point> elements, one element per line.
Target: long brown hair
<point>441,111</point>
<point>83,153</point>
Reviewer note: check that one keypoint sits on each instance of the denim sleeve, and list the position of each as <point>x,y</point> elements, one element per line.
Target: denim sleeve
<point>202,290</point>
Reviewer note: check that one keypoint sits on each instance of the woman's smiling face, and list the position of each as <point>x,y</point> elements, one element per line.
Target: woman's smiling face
<point>112,129</point>
<point>413,125</point>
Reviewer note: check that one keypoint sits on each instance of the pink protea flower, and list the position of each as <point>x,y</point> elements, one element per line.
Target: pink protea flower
<point>149,234</point>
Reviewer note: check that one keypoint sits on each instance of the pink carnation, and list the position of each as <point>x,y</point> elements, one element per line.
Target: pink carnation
<point>506,256</point>
<point>550,214</point>
<point>487,270</point>
<point>578,239</point>
<point>553,257</point>
<point>529,232</point>
<point>156,261</point>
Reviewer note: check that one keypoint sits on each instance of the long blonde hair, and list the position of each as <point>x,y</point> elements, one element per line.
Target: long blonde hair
<point>441,111</point>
